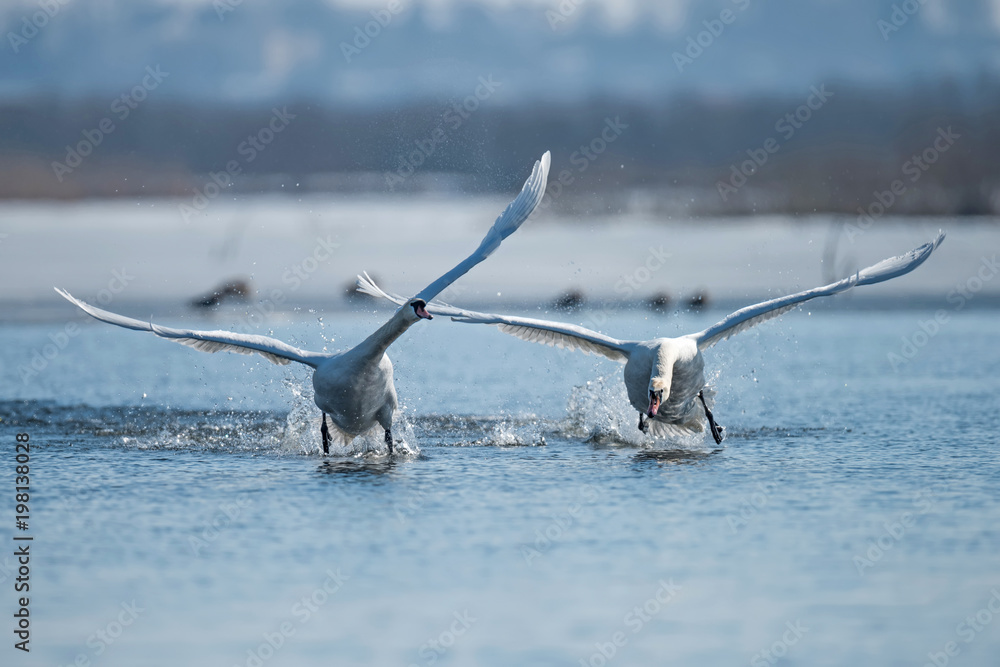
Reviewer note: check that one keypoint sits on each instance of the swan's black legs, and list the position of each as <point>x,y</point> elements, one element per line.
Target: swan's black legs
<point>642,423</point>
<point>326,435</point>
<point>388,439</point>
<point>716,431</point>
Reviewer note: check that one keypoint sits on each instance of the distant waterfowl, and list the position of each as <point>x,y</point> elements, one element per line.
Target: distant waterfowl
<point>659,302</point>
<point>698,300</point>
<point>233,290</point>
<point>571,299</point>
<point>355,388</point>
<point>664,377</point>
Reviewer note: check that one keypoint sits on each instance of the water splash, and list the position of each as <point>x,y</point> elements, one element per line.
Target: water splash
<point>302,435</point>
<point>600,414</point>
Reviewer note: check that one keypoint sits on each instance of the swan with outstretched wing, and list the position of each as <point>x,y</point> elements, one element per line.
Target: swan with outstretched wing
<point>355,388</point>
<point>664,377</point>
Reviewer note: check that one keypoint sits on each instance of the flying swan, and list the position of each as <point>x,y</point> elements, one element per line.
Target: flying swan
<point>355,387</point>
<point>665,377</point>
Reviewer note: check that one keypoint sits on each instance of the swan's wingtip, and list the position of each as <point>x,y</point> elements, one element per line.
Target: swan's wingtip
<point>64,294</point>
<point>365,281</point>
<point>543,165</point>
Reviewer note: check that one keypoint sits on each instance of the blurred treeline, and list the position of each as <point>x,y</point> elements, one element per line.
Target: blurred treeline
<point>669,160</point>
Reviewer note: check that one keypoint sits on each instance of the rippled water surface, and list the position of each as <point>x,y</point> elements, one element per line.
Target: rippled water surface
<point>850,517</point>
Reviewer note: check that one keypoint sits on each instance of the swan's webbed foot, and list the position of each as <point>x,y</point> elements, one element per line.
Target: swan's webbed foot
<point>715,428</point>
<point>388,439</point>
<point>326,435</point>
<point>642,423</point>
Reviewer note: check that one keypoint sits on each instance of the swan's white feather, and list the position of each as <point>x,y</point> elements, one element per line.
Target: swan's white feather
<point>506,224</point>
<point>553,334</point>
<point>751,316</point>
<point>367,286</point>
<point>273,350</point>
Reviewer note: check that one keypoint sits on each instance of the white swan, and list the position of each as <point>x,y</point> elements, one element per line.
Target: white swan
<point>664,377</point>
<point>354,387</point>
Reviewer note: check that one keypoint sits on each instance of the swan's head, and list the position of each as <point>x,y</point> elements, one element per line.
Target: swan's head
<point>419,307</point>
<point>655,400</point>
<point>659,379</point>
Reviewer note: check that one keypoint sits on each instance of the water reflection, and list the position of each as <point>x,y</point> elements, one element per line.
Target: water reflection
<point>674,456</point>
<point>358,467</point>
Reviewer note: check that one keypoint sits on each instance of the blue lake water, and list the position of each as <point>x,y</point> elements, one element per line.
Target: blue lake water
<point>181,515</point>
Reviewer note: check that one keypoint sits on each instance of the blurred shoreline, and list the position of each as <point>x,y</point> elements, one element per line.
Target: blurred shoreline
<point>928,150</point>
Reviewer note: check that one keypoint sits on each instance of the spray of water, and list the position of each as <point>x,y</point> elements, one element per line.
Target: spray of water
<point>301,433</point>
<point>599,413</point>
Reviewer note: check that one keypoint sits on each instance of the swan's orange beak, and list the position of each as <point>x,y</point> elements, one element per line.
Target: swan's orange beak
<point>422,312</point>
<point>654,404</point>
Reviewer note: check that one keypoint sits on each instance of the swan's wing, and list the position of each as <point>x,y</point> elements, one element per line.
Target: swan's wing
<point>513,217</point>
<point>367,286</point>
<point>207,341</point>
<point>751,316</point>
<point>554,334</point>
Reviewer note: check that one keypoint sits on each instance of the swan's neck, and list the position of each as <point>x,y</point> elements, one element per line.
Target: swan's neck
<point>375,345</point>
<point>663,368</point>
